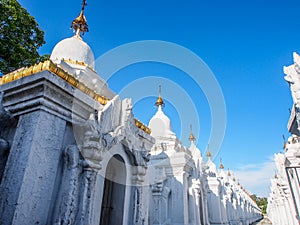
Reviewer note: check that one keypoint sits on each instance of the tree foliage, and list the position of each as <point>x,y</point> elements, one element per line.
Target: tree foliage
<point>262,203</point>
<point>20,37</point>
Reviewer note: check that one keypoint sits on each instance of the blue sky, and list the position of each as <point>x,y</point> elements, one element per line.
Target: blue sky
<point>244,43</point>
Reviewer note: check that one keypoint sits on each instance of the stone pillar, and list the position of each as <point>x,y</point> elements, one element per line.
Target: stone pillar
<point>214,201</point>
<point>90,200</point>
<point>185,198</point>
<point>160,212</point>
<point>180,197</point>
<point>29,177</point>
<point>156,217</point>
<point>141,200</point>
<point>197,204</point>
<point>205,205</point>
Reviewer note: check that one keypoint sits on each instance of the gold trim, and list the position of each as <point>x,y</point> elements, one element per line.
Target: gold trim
<point>142,126</point>
<point>75,62</point>
<point>53,68</point>
<point>78,63</point>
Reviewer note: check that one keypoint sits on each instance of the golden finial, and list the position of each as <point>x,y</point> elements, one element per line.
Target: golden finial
<point>79,25</point>
<point>284,142</point>
<point>192,137</point>
<point>159,101</point>
<point>228,173</point>
<point>221,164</point>
<point>276,176</point>
<point>233,178</point>
<point>208,154</point>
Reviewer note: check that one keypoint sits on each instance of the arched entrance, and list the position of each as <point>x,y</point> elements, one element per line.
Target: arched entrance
<point>112,209</point>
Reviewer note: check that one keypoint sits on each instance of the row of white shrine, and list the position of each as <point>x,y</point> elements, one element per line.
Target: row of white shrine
<point>284,199</point>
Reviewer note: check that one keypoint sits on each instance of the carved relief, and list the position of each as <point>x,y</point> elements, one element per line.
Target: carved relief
<point>112,125</point>
<point>140,213</point>
<point>69,196</point>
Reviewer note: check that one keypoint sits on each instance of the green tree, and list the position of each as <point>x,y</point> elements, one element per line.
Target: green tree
<point>20,37</point>
<point>262,203</point>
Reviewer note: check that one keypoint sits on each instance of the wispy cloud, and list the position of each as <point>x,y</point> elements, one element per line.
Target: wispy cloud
<point>256,177</point>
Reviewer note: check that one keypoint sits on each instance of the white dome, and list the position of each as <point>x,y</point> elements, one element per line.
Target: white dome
<point>160,124</point>
<point>73,49</point>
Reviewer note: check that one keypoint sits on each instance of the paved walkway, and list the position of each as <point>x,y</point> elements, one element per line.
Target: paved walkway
<point>264,221</point>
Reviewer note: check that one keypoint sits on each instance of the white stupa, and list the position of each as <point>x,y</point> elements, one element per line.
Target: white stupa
<point>74,50</point>
<point>77,58</point>
<point>160,124</point>
<point>211,167</point>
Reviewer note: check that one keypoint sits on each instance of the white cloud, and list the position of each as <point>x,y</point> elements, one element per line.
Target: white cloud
<point>255,178</point>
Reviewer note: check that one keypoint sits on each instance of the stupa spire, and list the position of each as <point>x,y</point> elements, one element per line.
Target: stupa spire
<point>192,137</point>
<point>284,142</point>
<point>208,154</point>
<point>221,164</point>
<point>79,25</point>
<point>228,173</point>
<point>159,102</point>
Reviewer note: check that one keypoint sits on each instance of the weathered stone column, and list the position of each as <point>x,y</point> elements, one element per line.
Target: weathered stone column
<point>156,217</point>
<point>141,199</point>
<point>205,205</point>
<point>42,104</point>
<point>29,177</point>
<point>196,193</point>
<point>92,153</point>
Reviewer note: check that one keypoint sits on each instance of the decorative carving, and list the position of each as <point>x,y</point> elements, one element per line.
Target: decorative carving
<point>112,125</point>
<point>138,175</point>
<point>70,187</point>
<point>160,194</point>
<point>140,215</point>
<point>91,149</point>
<point>293,78</point>
<point>89,180</point>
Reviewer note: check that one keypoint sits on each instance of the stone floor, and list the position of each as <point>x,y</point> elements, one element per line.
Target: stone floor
<point>264,221</point>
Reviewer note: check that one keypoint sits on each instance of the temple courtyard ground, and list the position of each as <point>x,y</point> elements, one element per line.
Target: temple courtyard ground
<point>264,221</point>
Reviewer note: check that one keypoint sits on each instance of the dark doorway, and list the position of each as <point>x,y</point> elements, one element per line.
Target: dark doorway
<point>112,209</point>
